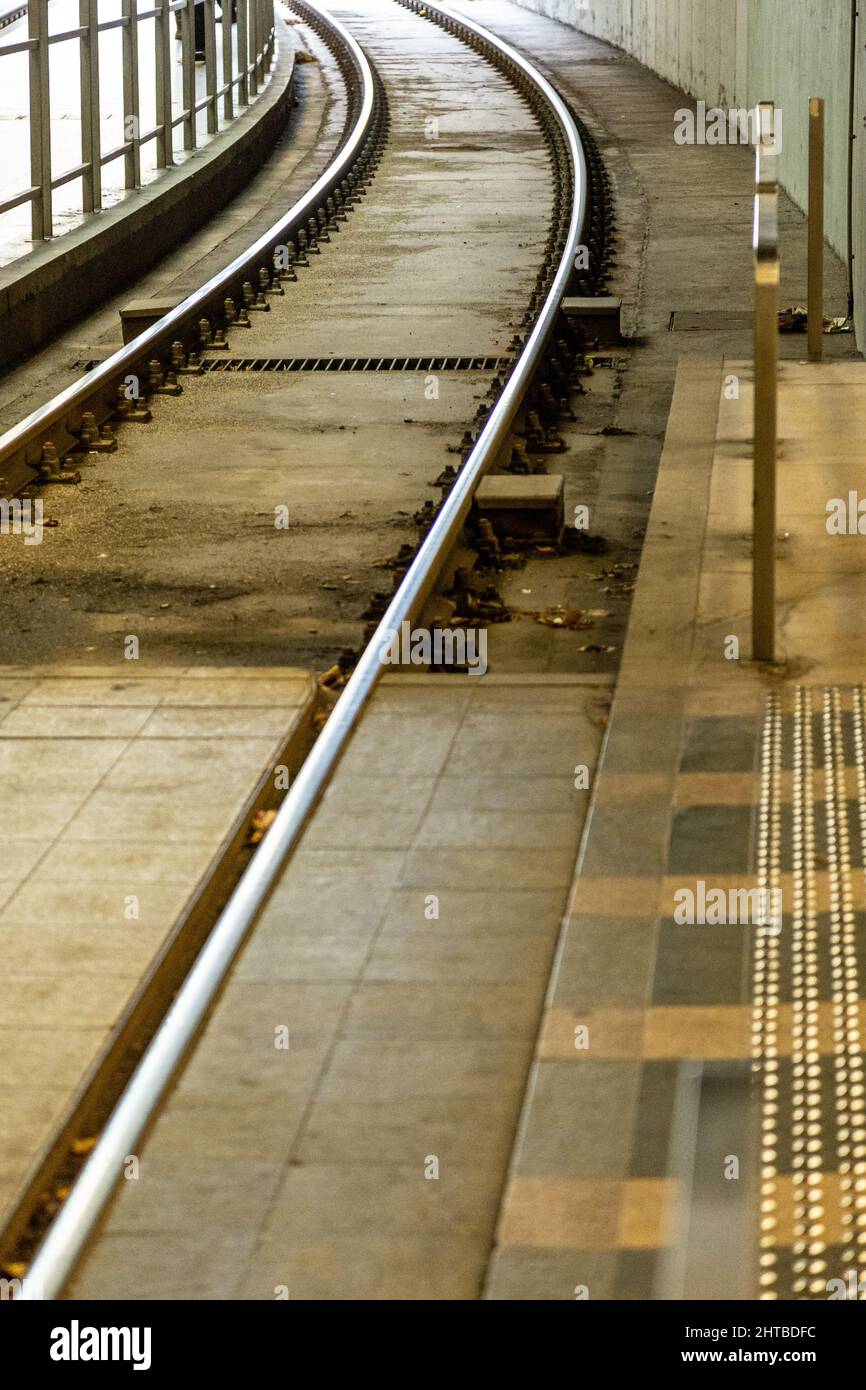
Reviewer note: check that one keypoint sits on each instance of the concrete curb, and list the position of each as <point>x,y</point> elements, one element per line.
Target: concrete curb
<point>62,279</point>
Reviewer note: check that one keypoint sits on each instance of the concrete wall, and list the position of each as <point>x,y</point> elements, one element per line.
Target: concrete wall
<point>738,52</point>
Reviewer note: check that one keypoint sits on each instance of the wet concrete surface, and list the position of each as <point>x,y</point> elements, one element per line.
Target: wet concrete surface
<point>175,538</point>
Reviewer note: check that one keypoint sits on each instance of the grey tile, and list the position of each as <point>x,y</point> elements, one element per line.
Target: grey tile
<point>163,1265</point>
<point>723,743</point>
<point>711,840</point>
<point>650,1155</point>
<point>460,1130</point>
<point>399,1071</point>
<point>518,1274</point>
<point>701,964</point>
<point>371,1203</point>
<point>372,1267</point>
<point>643,742</point>
<point>484,957</point>
<point>437,1010</point>
<point>628,839</point>
<point>435,870</point>
<point>583,1113</point>
<point>605,961</point>
<point>498,829</point>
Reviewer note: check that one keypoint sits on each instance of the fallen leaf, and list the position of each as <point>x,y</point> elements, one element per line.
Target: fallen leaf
<point>574,619</point>
<point>260,823</point>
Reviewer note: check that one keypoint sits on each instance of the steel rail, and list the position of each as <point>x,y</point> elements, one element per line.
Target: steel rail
<point>77,1218</point>
<point>58,421</point>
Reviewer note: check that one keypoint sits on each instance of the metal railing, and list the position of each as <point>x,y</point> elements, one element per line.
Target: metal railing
<point>79,1214</point>
<point>245,64</point>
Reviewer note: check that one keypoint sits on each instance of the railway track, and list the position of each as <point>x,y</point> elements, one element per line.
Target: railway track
<point>192,347</point>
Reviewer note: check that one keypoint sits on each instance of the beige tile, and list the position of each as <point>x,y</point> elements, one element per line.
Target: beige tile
<point>123,689</point>
<point>612,1033</point>
<point>25,1111</point>
<point>716,789</point>
<point>18,857</point>
<point>52,950</point>
<point>561,1212</point>
<point>43,898</point>
<point>712,1031</point>
<point>80,1001</point>
<point>126,814</point>
<point>188,767</point>
<point>172,721</point>
<point>628,896</point>
<point>161,861</point>
<point>79,721</point>
<point>40,815</point>
<point>60,765</point>
<point>645,1212</point>
<point>235,692</point>
<point>36,1057</point>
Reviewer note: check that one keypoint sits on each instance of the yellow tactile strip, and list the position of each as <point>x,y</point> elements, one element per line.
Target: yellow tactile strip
<point>601,1214</point>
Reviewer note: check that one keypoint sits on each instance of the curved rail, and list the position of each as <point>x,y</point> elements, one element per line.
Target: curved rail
<point>77,1218</point>
<point>59,422</point>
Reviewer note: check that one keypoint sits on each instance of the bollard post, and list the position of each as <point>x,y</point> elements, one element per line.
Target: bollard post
<point>816,229</point>
<point>766,248</point>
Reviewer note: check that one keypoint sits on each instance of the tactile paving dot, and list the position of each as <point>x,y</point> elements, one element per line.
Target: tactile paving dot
<point>806,995</point>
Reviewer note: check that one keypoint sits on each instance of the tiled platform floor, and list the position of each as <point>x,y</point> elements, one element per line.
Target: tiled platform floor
<point>406,950</point>
<point>118,790</point>
<point>597,1193</point>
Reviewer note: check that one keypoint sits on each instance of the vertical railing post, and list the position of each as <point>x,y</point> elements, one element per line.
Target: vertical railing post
<point>41,221</point>
<point>766,248</point>
<point>816,229</point>
<point>131,119</point>
<point>243,54</point>
<point>163,66</point>
<point>210,65</point>
<point>187,53</point>
<point>228,72</point>
<point>253,14</point>
<point>91,138</point>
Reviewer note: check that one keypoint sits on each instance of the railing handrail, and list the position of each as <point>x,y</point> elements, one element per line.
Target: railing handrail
<point>176,1032</point>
